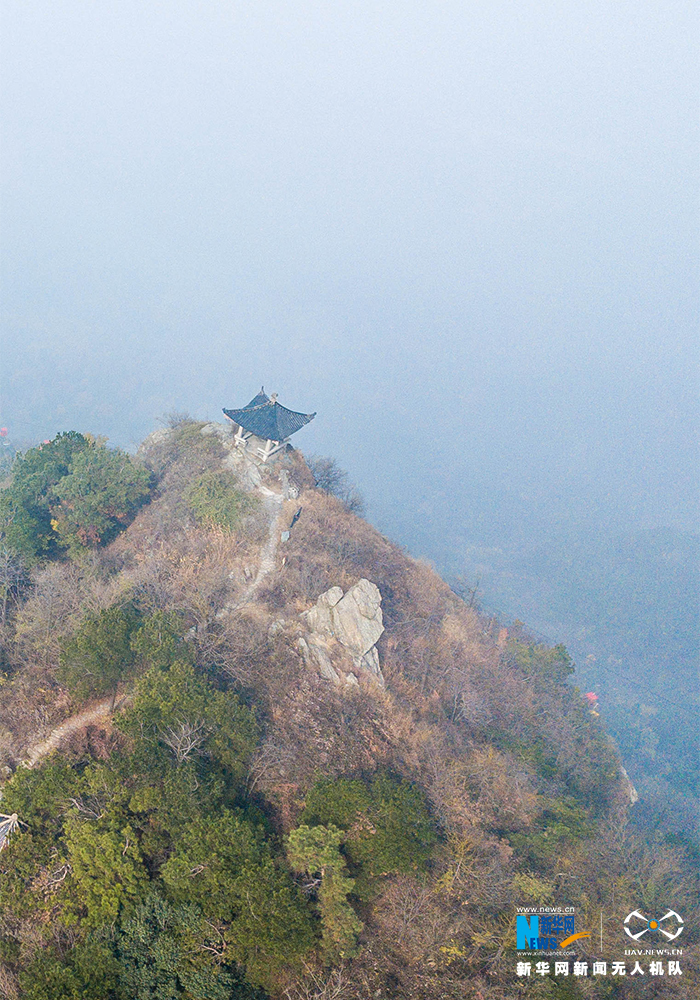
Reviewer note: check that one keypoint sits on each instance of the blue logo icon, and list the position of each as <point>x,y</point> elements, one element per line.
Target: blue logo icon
<point>545,932</point>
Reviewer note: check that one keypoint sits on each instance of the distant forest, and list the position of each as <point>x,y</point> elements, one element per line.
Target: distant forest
<point>625,605</point>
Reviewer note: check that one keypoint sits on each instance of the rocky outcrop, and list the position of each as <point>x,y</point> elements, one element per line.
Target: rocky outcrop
<point>349,626</point>
<point>630,790</point>
<point>242,465</point>
<point>317,653</point>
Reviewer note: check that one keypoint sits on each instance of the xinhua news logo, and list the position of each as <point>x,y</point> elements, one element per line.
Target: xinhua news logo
<point>546,932</point>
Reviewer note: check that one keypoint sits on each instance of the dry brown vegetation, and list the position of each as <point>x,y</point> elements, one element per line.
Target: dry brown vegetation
<point>500,755</point>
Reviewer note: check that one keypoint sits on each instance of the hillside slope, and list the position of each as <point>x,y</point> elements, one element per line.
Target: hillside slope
<point>625,604</point>
<point>344,797</point>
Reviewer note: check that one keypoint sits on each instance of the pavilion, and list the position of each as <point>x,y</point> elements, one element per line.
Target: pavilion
<point>265,426</point>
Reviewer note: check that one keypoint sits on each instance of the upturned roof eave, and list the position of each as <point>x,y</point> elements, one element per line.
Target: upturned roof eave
<point>269,420</point>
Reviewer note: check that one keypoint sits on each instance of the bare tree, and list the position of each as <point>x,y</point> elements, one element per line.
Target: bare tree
<point>174,418</point>
<point>328,476</point>
<point>321,986</point>
<point>12,576</point>
<point>185,738</point>
<point>270,757</point>
<point>466,591</point>
<point>90,807</point>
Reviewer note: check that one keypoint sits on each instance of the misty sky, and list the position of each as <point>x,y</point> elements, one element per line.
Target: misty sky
<point>464,233</point>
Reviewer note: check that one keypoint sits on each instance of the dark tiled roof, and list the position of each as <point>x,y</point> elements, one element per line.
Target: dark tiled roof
<point>258,400</point>
<point>268,419</point>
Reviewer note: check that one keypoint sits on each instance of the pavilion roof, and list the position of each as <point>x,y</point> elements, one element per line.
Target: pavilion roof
<point>268,419</point>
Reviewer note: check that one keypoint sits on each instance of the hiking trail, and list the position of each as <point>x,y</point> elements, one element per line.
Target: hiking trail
<point>103,709</point>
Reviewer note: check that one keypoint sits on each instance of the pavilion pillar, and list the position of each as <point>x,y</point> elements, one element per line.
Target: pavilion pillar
<point>269,449</point>
<point>241,437</point>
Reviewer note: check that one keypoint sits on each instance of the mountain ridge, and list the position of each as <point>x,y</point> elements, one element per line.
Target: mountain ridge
<point>513,791</point>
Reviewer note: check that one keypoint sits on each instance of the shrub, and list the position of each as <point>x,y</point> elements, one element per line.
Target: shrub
<point>549,663</point>
<point>25,506</point>
<point>99,654</point>
<point>387,825</point>
<point>158,642</point>
<point>71,493</point>
<point>316,850</point>
<point>562,822</point>
<point>214,500</point>
<point>98,498</point>
<point>222,865</point>
<point>184,446</point>
<point>187,716</point>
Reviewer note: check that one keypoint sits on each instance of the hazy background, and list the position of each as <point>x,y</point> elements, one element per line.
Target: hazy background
<point>464,233</point>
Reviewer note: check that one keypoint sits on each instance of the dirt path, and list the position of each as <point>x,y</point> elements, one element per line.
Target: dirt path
<point>273,504</point>
<point>101,710</point>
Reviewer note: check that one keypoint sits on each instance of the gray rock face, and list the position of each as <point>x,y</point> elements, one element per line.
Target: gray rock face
<point>239,462</point>
<point>319,618</point>
<point>316,653</point>
<point>354,620</point>
<point>221,431</point>
<point>357,617</point>
<point>629,787</point>
<point>245,469</point>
